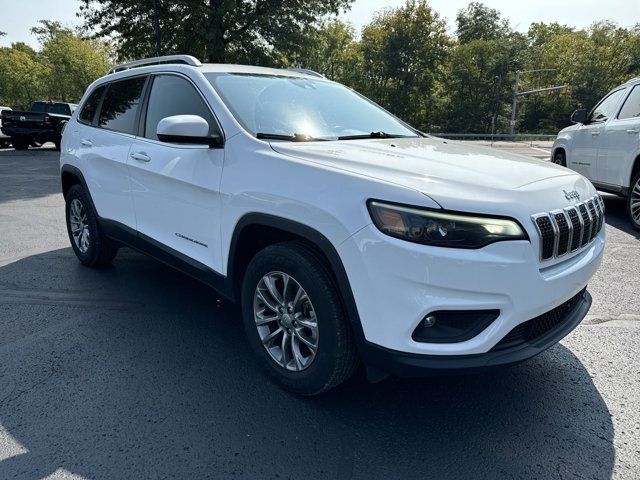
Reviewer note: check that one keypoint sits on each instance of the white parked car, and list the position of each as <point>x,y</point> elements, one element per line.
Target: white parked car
<point>604,145</point>
<point>345,234</point>
<point>4,139</point>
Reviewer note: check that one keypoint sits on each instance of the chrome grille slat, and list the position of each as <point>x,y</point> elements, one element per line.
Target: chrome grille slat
<point>565,231</point>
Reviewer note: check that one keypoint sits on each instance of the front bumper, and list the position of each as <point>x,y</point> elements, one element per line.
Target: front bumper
<point>406,365</point>
<point>396,283</point>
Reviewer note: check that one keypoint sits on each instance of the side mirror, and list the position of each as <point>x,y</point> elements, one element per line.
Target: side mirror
<point>579,116</point>
<point>186,129</point>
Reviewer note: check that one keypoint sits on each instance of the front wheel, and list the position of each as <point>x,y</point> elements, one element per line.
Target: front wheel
<point>633,202</point>
<point>559,158</point>
<point>89,243</point>
<point>20,143</point>
<point>295,321</point>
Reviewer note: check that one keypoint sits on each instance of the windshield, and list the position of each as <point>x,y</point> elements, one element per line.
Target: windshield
<point>298,107</point>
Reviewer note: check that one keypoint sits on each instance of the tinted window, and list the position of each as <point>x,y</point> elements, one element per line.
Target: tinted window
<point>91,105</point>
<point>120,105</point>
<point>606,108</point>
<point>173,95</point>
<point>631,107</point>
<point>48,107</point>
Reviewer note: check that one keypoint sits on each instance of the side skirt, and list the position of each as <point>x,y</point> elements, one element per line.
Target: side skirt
<point>147,245</point>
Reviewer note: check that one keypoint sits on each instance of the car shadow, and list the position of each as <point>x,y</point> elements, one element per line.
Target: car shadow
<point>616,214</point>
<point>137,371</point>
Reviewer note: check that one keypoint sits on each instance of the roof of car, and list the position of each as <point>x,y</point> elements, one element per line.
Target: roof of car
<point>186,61</point>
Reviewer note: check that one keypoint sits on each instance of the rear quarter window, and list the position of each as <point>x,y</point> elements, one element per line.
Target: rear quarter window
<point>90,107</point>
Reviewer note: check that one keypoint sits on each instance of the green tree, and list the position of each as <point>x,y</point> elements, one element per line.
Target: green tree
<point>402,52</point>
<point>478,77</point>
<point>70,62</point>
<point>479,22</point>
<point>20,76</point>
<point>252,31</point>
<point>591,61</point>
<point>329,49</point>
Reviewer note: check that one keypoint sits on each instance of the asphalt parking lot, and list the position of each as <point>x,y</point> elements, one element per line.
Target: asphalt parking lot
<point>137,371</point>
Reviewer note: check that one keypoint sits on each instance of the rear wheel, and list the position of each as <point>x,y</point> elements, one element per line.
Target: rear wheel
<point>295,320</point>
<point>559,158</point>
<point>89,243</point>
<point>20,143</point>
<point>633,202</point>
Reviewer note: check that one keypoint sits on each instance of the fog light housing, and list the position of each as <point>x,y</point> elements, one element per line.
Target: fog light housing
<point>453,326</point>
<point>429,321</point>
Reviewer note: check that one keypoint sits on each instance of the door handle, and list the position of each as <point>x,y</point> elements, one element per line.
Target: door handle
<point>141,157</point>
<point>86,143</point>
<point>595,134</point>
<point>633,130</point>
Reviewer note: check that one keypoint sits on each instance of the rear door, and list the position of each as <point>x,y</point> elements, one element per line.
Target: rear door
<point>588,137</point>
<point>621,142</point>
<point>176,186</point>
<point>103,143</point>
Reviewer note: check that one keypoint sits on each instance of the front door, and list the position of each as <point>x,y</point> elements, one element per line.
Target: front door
<point>176,186</point>
<point>621,142</point>
<point>589,137</point>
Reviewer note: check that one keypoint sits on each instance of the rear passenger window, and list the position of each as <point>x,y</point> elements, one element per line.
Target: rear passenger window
<point>120,105</point>
<point>173,95</point>
<point>631,107</point>
<point>88,112</point>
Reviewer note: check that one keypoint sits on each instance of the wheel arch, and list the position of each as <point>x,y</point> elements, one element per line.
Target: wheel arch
<point>255,231</point>
<point>69,176</point>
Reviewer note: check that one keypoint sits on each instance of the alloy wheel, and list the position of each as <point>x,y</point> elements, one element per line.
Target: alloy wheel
<point>79,225</point>
<point>286,321</point>
<point>634,203</point>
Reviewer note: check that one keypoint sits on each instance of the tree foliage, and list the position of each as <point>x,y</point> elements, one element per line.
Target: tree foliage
<point>63,68</point>
<point>251,31</point>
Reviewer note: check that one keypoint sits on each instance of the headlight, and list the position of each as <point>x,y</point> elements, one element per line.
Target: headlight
<point>440,228</point>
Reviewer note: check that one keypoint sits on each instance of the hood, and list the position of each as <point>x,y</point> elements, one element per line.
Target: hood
<point>451,173</point>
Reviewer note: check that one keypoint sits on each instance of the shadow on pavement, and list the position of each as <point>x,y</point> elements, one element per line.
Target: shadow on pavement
<point>32,173</point>
<point>133,371</point>
<point>616,214</point>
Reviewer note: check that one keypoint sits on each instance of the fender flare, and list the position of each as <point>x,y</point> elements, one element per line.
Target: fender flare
<point>314,237</point>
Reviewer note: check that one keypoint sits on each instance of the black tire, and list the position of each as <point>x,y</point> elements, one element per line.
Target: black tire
<point>101,251</point>
<point>336,357</point>
<point>57,143</point>
<point>559,158</point>
<point>20,143</point>
<point>632,199</point>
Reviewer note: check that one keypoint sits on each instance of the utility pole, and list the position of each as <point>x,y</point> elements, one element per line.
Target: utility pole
<point>512,125</point>
<point>517,93</point>
<point>156,26</point>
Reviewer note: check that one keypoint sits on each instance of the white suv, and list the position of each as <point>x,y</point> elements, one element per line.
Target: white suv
<point>344,233</point>
<point>604,145</point>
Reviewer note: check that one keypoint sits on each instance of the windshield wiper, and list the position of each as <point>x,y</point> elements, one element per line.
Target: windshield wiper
<point>296,137</point>
<point>372,135</point>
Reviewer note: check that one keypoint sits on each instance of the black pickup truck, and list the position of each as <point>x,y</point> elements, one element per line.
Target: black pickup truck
<point>44,122</point>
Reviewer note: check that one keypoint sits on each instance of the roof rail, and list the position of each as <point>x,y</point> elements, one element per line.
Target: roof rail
<point>183,59</point>
<point>306,71</point>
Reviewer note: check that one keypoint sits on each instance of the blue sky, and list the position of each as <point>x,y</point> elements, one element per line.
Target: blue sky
<point>18,16</point>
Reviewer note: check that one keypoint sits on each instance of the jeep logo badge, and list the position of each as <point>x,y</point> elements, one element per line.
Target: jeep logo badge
<point>572,195</point>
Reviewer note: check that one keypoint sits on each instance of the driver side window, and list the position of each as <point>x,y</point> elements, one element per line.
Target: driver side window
<point>607,107</point>
<point>173,95</point>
